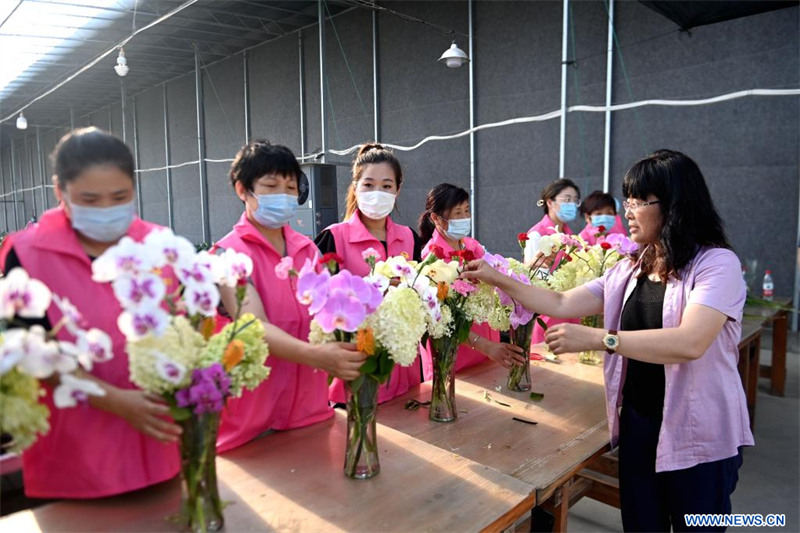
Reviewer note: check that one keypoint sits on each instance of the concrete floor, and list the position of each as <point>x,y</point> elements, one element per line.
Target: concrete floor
<point>769,480</point>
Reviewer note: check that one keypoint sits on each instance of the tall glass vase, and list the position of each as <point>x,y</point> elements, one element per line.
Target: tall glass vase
<point>591,357</point>
<point>443,388</point>
<point>519,377</point>
<point>201,507</point>
<point>361,456</point>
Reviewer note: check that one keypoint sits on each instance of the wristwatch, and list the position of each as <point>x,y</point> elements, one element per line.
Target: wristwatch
<point>611,341</point>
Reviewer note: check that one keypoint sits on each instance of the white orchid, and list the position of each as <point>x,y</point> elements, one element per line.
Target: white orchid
<point>378,281</point>
<point>168,369</point>
<point>70,315</point>
<point>546,244</point>
<point>143,290</point>
<point>97,344</point>
<point>202,299</point>
<point>10,353</point>
<point>196,270</point>
<point>41,357</point>
<point>139,323</point>
<point>170,249</point>
<point>20,295</point>
<point>127,258</point>
<point>72,391</point>
<point>231,267</point>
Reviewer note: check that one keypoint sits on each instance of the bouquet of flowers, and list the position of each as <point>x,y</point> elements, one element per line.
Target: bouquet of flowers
<point>459,303</point>
<point>385,320</point>
<point>169,297</point>
<point>585,263</point>
<point>28,355</point>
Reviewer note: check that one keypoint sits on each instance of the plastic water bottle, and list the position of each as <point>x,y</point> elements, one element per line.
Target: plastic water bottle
<point>768,286</point>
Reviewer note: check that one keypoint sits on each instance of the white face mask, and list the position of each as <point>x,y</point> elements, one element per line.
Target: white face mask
<point>375,204</point>
<point>459,228</point>
<point>102,224</point>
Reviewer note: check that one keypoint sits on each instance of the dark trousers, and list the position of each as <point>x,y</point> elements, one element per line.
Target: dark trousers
<point>653,501</point>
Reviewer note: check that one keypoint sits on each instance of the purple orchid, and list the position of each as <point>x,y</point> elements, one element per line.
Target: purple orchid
<point>622,243</point>
<point>497,262</point>
<point>207,392</point>
<point>313,289</point>
<point>341,311</point>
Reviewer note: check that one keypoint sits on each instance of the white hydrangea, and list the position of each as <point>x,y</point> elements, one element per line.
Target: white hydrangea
<point>443,327</point>
<point>317,336</point>
<point>399,324</point>
<point>480,303</point>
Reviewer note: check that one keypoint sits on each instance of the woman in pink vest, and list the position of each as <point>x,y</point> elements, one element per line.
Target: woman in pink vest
<point>674,398</point>
<point>600,211</point>
<point>560,201</point>
<point>124,440</point>
<point>446,223</point>
<point>377,179</point>
<point>268,180</point>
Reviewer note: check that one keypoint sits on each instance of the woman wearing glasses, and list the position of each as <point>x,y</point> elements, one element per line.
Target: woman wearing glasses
<point>674,313</point>
<point>560,201</point>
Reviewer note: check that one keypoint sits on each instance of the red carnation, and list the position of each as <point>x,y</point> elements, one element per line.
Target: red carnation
<point>467,255</point>
<point>329,257</point>
<point>605,245</point>
<point>438,251</point>
<point>601,229</point>
<point>523,237</point>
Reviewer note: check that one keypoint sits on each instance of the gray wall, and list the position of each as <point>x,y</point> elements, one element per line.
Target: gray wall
<point>747,148</point>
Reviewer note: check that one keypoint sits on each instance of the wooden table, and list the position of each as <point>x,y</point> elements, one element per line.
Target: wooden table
<point>749,355</point>
<point>571,425</point>
<point>779,318</point>
<point>293,481</point>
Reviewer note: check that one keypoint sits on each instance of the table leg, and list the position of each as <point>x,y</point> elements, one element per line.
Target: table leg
<point>562,510</point>
<point>780,328</point>
<point>752,378</point>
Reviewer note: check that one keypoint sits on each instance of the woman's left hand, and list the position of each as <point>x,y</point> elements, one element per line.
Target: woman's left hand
<point>569,338</point>
<point>502,353</point>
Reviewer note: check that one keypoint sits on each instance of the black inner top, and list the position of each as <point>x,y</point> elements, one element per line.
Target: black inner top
<point>327,244</point>
<point>644,382</point>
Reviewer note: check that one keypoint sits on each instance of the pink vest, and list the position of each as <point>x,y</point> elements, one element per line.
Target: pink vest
<point>294,395</point>
<point>88,453</point>
<point>466,356</point>
<point>352,238</point>
<point>545,227</point>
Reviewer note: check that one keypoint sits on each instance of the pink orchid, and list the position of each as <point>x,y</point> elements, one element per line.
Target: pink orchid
<point>313,289</point>
<point>342,312</point>
<point>622,243</point>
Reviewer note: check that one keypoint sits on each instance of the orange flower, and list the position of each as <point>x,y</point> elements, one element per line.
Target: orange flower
<point>365,341</point>
<point>234,354</point>
<point>405,255</point>
<point>441,290</point>
<point>207,327</point>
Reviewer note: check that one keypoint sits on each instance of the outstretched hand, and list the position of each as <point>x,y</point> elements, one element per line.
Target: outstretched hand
<point>480,270</point>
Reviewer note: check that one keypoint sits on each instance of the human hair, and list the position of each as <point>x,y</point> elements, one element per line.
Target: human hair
<point>83,148</point>
<point>258,158</point>
<point>441,200</point>
<point>554,189</point>
<point>596,201</point>
<point>370,154</point>
<point>690,219</point>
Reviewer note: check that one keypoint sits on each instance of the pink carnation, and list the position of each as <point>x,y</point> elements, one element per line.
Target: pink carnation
<point>370,253</point>
<point>284,268</point>
<point>463,287</point>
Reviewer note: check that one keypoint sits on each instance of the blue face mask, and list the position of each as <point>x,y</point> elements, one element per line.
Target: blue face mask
<point>604,220</point>
<point>459,228</point>
<point>275,210</point>
<point>567,212</point>
<point>102,224</point>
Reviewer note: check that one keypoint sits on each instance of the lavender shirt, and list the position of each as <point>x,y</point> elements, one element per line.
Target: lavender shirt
<point>705,411</point>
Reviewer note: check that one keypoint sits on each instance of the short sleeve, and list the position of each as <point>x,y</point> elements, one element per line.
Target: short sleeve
<point>597,287</point>
<point>718,283</point>
<point>325,242</point>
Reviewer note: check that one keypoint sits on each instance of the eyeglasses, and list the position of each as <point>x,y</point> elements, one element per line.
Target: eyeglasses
<point>568,200</point>
<point>634,206</point>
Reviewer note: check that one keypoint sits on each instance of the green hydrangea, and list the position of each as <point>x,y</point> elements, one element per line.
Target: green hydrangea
<point>21,414</point>
<point>480,303</point>
<point>399,324</point>
<point>251,370</point>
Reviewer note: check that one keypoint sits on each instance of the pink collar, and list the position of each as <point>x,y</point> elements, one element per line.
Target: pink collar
<point>294,241</point>
<point>439,240</point>
<point>360,233</point>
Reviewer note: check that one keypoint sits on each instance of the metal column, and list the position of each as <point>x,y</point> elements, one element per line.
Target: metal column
<point>302,63</point>
<point>41,169</point>
<point>122,106</point>
<point>71,118</point>
<point>168,159</point>
<point>375,93</point>
<point>14,183</point>
<point>201,147</point>
<point>3,190</point>
<point>33,179</point>
<point>472,169</point>
<point>136,158</point>
<point>322,92</point>
<point>246,81</point>
<point>562,147</point>
<point>609,82</point>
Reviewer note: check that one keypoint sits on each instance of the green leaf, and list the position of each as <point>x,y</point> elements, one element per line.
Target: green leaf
<point>541,323</point>
<point>385,365</point>
<point>179,413</point>
<point>356,383</point>
<point>370,365</point>
<point>330,380</point>
<point>536,396</point>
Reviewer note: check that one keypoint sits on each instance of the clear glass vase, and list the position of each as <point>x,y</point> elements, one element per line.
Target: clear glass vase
<point>201,507</point>
<point>519,377</point>
<point>591,357</point>
<point>443,388</point>
<point>361,456</point>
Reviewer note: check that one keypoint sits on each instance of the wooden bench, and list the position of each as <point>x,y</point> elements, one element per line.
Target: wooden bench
<point>779,319</point>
